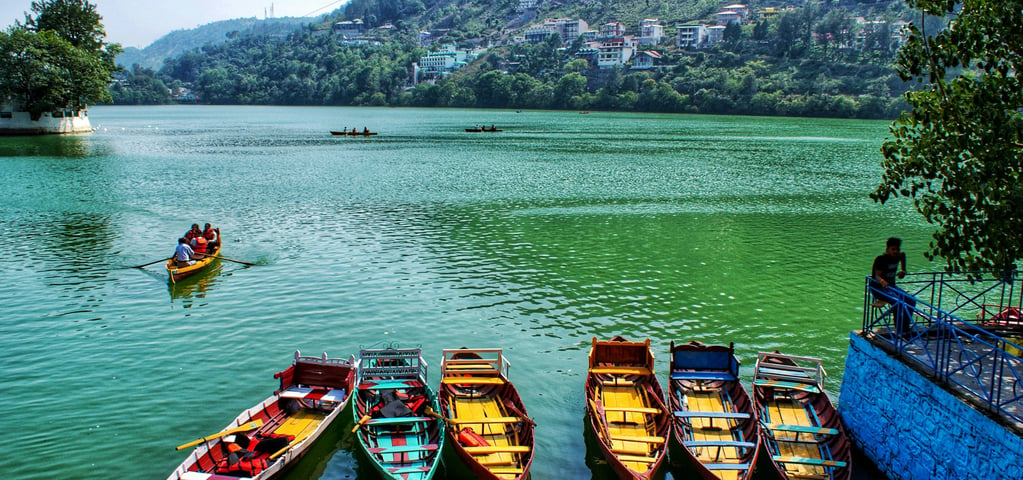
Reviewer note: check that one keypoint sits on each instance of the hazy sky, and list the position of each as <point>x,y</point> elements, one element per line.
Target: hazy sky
<point>137,23</point>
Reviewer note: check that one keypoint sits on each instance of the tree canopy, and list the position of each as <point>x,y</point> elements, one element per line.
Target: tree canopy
<point>57,60</point>
<point>959,153</point>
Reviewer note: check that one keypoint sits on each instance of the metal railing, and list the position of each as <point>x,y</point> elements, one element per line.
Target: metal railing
<point>965,330</point>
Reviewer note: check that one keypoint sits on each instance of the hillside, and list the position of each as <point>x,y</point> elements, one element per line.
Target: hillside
<point>808,60</point>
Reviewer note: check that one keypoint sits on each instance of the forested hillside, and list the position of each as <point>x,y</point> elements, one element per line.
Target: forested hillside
<point>809,60</point>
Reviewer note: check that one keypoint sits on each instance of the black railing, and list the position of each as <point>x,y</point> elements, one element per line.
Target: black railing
<point>965,330</point>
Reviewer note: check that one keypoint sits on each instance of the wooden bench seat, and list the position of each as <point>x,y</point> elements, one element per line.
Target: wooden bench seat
<point>621,370</point>
<point>726,466</point>
<point>636,458</point>
<point>808,461</point>
<point>802,387</point>
<point>692,414</point>
<point>497,449</point>
<point>472,380</point>
<point>685,375</point>
<point>649,410</point>
<point>397,420</point>
<point>719,443</point>
<point>639,438</point>
<point>486,420</point>
<point>803,429</point>
<point>404,448</point>
<point>505,470</point>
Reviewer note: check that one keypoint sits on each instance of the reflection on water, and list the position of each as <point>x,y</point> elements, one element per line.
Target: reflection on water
<point>60,146</point>
<point>196,286</point>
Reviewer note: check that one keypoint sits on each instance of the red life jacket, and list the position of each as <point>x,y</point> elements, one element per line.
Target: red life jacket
<point>200,245</point>
<point>190,234</point>
<point>470,438</point>
<point>209,234</point>
<point>251,466</point>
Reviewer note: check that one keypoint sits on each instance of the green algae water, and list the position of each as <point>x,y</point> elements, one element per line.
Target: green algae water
<point>562,227</point>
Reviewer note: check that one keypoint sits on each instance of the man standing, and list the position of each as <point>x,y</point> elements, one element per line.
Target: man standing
<point>883,275</point>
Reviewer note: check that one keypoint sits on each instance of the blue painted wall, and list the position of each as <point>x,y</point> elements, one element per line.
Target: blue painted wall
<point>913,429</point>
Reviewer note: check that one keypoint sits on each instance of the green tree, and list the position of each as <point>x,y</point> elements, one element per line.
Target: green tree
<point>959,152</point>
<point>58,59</point>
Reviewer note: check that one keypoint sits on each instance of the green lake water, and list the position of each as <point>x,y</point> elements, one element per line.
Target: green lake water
<point>563,227</point>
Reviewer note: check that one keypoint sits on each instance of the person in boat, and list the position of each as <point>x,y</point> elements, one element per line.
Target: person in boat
<point>183,253</point>
<point>365,129</point>
<point>493,128</point>
<point>193,232</point>
<point>355,131</point>
<point>211,237</point>
<point>200,246</point>
<point>883,275</point>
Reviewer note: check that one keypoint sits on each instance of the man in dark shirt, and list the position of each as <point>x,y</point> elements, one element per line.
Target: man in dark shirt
<point>883,275</point>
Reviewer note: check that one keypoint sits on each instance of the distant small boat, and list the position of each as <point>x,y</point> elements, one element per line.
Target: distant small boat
<point>483,129</point>
<point>800,427</point>
<point>585,112</point>
<point>343,133</point>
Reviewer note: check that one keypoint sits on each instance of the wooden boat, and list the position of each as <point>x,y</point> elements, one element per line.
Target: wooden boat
<point>342,133</point>
<point>487,422</point>
<point>625,406</point>
<point>271,436</point>
<point>714,421</point>
<point>396,414</point>
<point>175,273</point>
<point>483,129</point>
<point>801,429</point>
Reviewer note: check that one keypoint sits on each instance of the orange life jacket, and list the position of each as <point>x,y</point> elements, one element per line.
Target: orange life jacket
<point>200,245</point>
<point>470,438</point>
<point>208,234</point>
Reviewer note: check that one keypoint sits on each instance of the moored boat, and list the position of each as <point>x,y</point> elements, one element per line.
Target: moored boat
<point>625,407</point>
<point>271,436</point>
<point>714,422</point>
<point>800,427</point>
<point>175,273</point>
<point>342,133</point>
<point>396,416</point>
<point>487,421</point>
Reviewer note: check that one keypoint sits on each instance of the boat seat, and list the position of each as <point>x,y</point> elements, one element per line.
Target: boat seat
<point>618,382</point>
<point>803,429</point>
<point>637,459</point>
<point>389,384</point>
<point>638,438</point>
<point>472,380</point>
<point>404,448</point>
<point>505,471</point>
<point>485,420</point>
<point>723,376</point>
<point>719,443</point>
<point>621,370</point>
<point>726,466</point>
<point>803,387</point>
<point>808,461</point>
<point>650,410</point>
<point>692,414</point>
<point>400,470</point>
<point>397,420</point>
<point>498,449</point>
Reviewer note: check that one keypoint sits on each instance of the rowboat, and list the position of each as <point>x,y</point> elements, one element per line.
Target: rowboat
<point>714,422</point>
<point>263,441</point>
<point>342,133</point>
<point>801,429</point>
<point>487,422</point>
<point>175,273</point>
<point>396,414</point>
<point>482,129</point>
<point>624,406</point>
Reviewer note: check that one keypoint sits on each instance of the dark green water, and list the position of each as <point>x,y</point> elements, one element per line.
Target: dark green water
<point>562,227</point>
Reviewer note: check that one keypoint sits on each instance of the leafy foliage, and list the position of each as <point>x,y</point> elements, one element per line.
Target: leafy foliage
<point>959,153</point>
<point>57,60</point>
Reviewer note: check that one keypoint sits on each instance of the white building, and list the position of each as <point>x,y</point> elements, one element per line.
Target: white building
<point>614,52</point>
<point>612,30</point>
<point>692,36</point>
<point>650,31</point>
<point>715,34</point>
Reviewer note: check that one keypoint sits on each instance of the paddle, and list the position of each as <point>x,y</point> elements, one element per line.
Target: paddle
<point>362,421</point>
<point>241,428</point>
<point>429,411</point>
<point>150,263</point>
<point>286,448</point>
<point>231,260</point>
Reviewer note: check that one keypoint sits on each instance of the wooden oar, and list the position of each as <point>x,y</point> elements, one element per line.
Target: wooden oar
<point>286,448</point>
<point>150,263</point>
<point>241,428</point>
<point>429,411</point>
<point>232,260</point>
<point>362,421</point>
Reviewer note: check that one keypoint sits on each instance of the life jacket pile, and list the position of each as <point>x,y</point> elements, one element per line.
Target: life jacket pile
<point>393,404</point>
<point>250,463</point>
<point>470,438</point>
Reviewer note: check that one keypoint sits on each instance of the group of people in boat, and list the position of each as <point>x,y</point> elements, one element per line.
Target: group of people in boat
<point>483,128</point>
<point>355,131</point>
<point>195,245</point>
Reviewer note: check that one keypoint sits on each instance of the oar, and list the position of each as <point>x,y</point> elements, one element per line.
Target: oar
<point>150,263</point>
<point>235,261</point>
<point>241,428</point>
<point>429,411</point>
<point>362,421</point>
<point>286,448</point>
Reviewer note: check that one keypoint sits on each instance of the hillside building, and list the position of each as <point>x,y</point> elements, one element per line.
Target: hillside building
<point>650,32</point>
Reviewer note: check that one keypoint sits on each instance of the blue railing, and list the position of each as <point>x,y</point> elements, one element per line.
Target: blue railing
<point>965,330</point>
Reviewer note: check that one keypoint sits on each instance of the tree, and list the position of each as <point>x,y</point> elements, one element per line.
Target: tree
<point>959,152</point>
<point>58,59</point>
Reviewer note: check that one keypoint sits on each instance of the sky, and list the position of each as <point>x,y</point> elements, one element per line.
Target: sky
<point>137,23</point>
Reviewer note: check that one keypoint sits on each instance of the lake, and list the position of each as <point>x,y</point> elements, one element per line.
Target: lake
<point>560,228</point>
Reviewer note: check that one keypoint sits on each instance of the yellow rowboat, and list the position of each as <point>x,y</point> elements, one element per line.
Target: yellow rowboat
<point>487,421</point>
<point>713,419</point>
<point>800,427</point>
<point>175,273</point>
<point>625,407</point>
<point>267,438</point>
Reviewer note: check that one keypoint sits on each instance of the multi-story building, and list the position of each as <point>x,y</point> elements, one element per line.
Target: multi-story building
<point>612,30</point>
<point>650,31</point>
<point>613,52</point>
<point>692,35</point>
<point>350,28</point>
